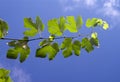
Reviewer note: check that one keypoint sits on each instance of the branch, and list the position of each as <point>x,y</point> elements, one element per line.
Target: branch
<point>45,38</point>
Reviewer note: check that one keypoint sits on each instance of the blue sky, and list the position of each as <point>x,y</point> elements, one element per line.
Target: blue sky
<point>102,65</point>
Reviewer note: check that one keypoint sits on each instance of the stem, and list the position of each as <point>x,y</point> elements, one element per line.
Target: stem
<point>44,38</point>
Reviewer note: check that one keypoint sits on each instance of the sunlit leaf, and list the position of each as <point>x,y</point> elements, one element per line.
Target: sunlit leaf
<point>94,41</point>
<point>12,53</point>
<point>71,24</point>
<point>39,24</point>
<point>53,27</point>
<point>91,22</point>
<point>3,28</point>
<point>87,45</point>
<point>105,25</point>
<point>67,52</point>
<point>24,53</point>
<point>43,43</point>
<point>43,51</point>
<point>79,22</point>
<point>76,47</point>
<point>94,35</point>
<point>28,23</point>
<point>66,46</point>
<point>4,75</point>
<point>66,43</point>
<point>19,47</point>
<point>62,22</point>
<point>55,46</point>
<point>99,22</point>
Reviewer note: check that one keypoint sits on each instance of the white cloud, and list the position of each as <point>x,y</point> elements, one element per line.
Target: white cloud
<point>19,75</point>
<point>70,5</point>
<point>90,3</point>
<point>109,8</point>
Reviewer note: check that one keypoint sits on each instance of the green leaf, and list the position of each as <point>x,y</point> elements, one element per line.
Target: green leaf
<point>87,45</point>
<point>41,52</point>
<point>62,22</point>
<point>48,49</point>
<point>83,43</point>
<point>32,27</point>
<point>94,41</point>
<point>12,53</point>
<point>67,52</point>
<point>71,24</point>
<point>43,43</point>
<point>55,46</point>
<point>4,75</point>
<point>66,43</point>
<point>28,23</point>
<point>39,24</point>
<point>66,46</point>
<point>79,22</point>
<point>100,22</point>
<point>91,22</point>
<point>53,27</point>
<point>3,28</point>
<point>94,35</point>
<point>105,25</point>
<point>76,47</point>
<point>20,47</point>
<point>12,43</point>
<point>24,53</point>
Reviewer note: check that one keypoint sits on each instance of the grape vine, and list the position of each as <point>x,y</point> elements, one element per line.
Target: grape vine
<point>48,47</point>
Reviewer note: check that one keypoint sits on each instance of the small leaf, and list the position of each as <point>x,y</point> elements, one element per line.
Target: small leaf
<point>66,43</point>
<point>71,24</point>
<point>12,43</point>
<point>42,52</point>
<point>62,24</point>
<point>32,27</point>
<point>94,41</point>
<point>55,46</point>
<point>67,52</point>
<point>76,47</point>
<point>51,53</point>
<point>43,43</point>
<point>91,22</point>
<point>39,24</point>
<point>105,25</point>
<point>83,43</point>
<point>79,22</point>
<point>53,27</point>
<point>30,33</point>
<point>28,23</point>
<point>88,23</point>
<point>12,53</point>
<point>24,53</point>
<point>3,28</point>
<point>87,45</point>
<point>4,75</point>
<point>94,35</point>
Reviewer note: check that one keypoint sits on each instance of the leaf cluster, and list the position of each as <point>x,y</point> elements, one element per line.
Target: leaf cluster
<point>48,47</point>
<point>4,75</point>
